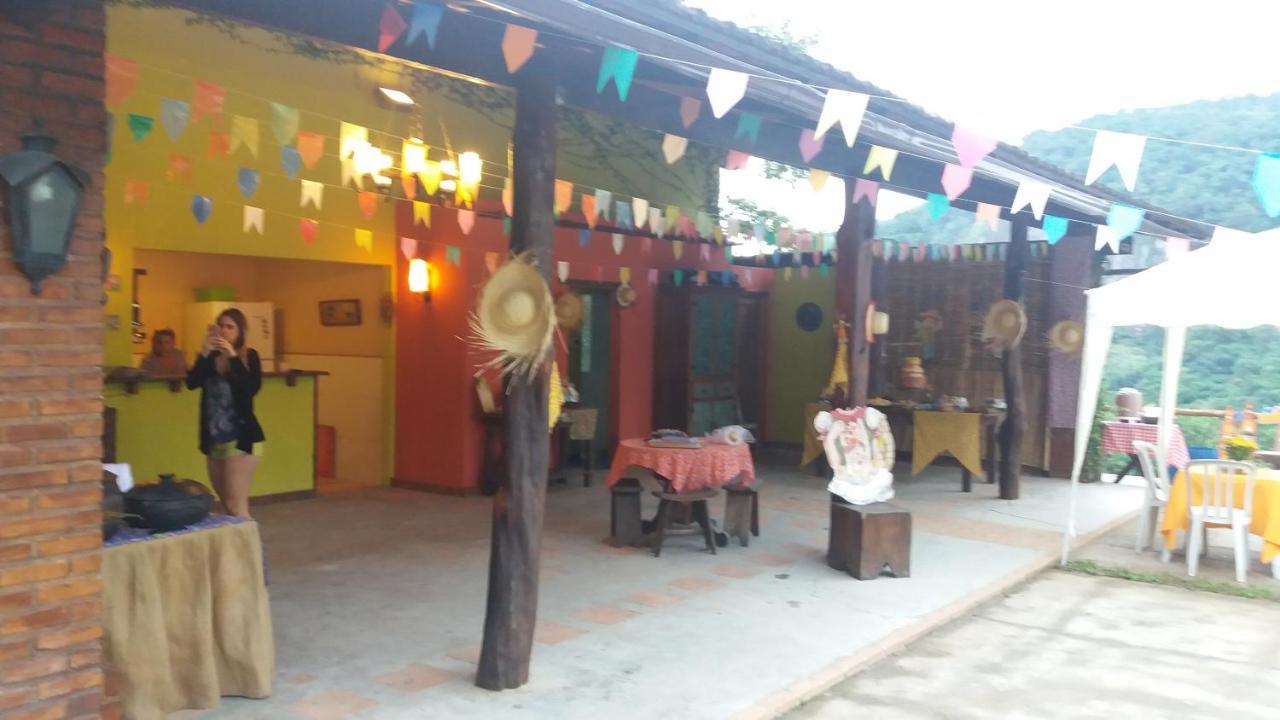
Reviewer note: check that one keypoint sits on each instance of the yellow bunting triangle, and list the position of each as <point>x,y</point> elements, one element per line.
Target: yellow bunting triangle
<point>364,239</point>
<point>818,179</point>
<point>421,213</point>
<point>244,131</point>
<point>881,158</point>
<point>624,274</point>
<point>677,248</point>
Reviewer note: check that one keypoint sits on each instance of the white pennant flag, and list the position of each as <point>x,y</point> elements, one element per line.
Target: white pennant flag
<point>657,224</point>
<point>725,88</point>
<point>639,211</point>
<point>604,203</point>
<point>1031,193</point>
<point>673,147</point>
<point>989,214</point>
<point>1106,238</point>
<point>846,108</point>
<point>312,193</point>
<point>1124,150</point>
<point>252,219</point>
<point>617,243</point>
<point>562,271</point>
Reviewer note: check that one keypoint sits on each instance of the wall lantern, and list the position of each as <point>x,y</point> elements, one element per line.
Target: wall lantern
<point>420,278</point>
<point>42,198</point>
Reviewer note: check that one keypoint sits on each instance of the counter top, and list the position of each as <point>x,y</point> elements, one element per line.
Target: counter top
<point>176,383</point>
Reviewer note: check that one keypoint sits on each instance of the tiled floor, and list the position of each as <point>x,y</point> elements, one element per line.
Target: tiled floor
<point>378,600</point>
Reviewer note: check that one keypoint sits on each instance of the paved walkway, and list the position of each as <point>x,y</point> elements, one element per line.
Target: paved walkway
<point>1072,646</point>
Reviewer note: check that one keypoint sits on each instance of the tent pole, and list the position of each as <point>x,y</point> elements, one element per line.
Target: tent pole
<point>1015,420</point>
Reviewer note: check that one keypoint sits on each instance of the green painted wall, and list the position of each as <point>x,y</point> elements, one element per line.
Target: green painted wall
<point>800,362</point>
<point>171,445</point>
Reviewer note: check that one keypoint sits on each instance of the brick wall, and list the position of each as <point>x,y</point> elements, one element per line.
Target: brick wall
<point>51,67</point>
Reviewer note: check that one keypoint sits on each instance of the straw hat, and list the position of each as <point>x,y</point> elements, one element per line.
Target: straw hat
<point>1005,324</point>
<point>625,295</point>
<point>514,318</point>
<point>877,322</point>
<point>1067,337</point>
<point>569,310</point>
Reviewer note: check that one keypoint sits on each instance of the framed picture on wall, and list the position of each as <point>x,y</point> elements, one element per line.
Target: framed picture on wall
<point>340,312</point>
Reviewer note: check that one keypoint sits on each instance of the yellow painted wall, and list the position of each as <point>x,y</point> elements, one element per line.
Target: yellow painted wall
<point>286,413</point>
<point>799,362</point>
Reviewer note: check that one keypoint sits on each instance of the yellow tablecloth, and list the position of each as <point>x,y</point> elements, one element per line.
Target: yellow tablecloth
<point>1266,509</point>
<point>955,432</point>
<point>186,620</point>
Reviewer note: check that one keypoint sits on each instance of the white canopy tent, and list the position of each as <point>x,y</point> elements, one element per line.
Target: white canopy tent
<point>1230,283</point>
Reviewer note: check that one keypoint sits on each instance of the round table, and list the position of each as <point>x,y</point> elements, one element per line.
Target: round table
<point>714,465</point>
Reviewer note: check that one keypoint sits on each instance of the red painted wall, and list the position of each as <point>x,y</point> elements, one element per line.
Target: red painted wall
<point>438,432</point>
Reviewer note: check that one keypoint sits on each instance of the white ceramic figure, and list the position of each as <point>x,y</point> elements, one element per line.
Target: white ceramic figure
<point>859,448</point>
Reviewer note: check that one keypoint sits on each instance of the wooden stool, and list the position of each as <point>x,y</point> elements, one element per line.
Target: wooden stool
<point>624,513</point>
<point>866,538</point>
<point>742,513</point>
<point>670,502</point>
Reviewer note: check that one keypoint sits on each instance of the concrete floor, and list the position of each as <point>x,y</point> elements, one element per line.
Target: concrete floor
<point>1071,646</point>
<point>378,597</point>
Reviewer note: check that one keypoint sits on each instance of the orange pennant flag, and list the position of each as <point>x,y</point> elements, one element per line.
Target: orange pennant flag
<point>564,195</point>
<point>589,209</point>
<point>179,169</point>
<point>491,262</point>
<point>219,144</point>
<point>136,191</point>
<point>390,27</point>
<point>122,78</point>
<point>517,46</point>
<point>368,202</point>
<point>410,185</point>
<point>207,101</point>
<point>310,148</point>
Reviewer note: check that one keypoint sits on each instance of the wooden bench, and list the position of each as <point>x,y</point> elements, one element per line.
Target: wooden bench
<point>742,513</point>
<point>867,539</point>
<point>671,502</point>
<point>625,524</point>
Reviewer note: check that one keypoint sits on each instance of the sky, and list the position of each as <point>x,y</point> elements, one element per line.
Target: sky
<point>1009,67</point>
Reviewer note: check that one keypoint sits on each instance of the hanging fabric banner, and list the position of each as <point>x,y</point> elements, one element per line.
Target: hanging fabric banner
<point>987,214</point>
<point>653,276</point>
<point>408,247</point>
<point>122,78</point>
<point>882,159</point>
<point>705,251</point>
<point>310,148</point>
<point>865,189</point>
<point>562,270</point>
<point>672,219</point>
<point>1123,150</point>
<point>174,115</point>
<point>312,193</point>
<point>1033,194</point>
<point>140,126</point>
<point>1055,228</point>
<point>564,195</point>
<point>725,88</point>
<point>736,160</point>
<point>425,21</point>
<point>810,145</point>
<point>640,212</point>
<point>201,208</point>
<point>244,131</point>
<point>364,239</point>
<point>247,180</point>
<point>588,203</point>
<point>748,127</point>
<point>308,229</point>
<point>466,221</point>
<point>1266,182</point>
<point>604,200</point>
<point>818,179</point>
<point>619,65</point>
<point>252,219</point>
<point>390,27</point>
<point>656,223</point>
<point>518,43</point>
<point>617,243</point>
<point>677,248</point>
<point>673,147</point>
<point>971,147</point>
<point>136,191</point>
<point>584,238</point>
<point>955,180</point>
<point>938,205</point>
<point>284,123</point>
<point>207,99</point>
<point>1125,219</point>
<point>690,108</point>
<point>290,160</point>
<point>453,255</point>
<point>179,169</point>
<point>846,108</point>
<point>1106,238</point>
<point>622,214</point>
<point>368,202</point>
<point>508,197</point>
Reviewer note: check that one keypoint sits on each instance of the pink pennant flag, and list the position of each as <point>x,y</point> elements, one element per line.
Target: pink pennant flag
<point>307,228</point>
<point>804,271</point>
<point>508,198</point>
<point>810,144</point>
<point>971,147</point>
<point>466,220</point>
<point>736,160</point>
<point>653,276</point>
<point>864,188</point>
<point>989,214</point>
<point>646,245</point>
<point>955,180</point>
<point>390,27</point>
<point>491,262</point>
<point>705,250</point>
<point>408,247</point>
<point>690,108</point>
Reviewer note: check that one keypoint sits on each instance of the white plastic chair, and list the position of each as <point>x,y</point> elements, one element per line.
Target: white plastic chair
<point>1155,497</point>
<point>1217,508</point>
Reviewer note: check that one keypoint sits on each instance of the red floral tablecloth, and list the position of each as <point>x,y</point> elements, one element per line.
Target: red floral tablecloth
<point>711,466</point>
<point>1119,437</point>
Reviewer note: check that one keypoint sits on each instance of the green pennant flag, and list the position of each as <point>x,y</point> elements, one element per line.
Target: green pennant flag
<point>748,125</point>
<point>618,64</point>
<point>506,226</point>
<point>453,255</point>
<point>284,123</point>
<point>140,126</point>
<point>822,269</point>
<point>677,276</point>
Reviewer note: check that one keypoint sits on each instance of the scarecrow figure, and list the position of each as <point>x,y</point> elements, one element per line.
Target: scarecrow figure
<point>838,386</point>
<point>859,448</point>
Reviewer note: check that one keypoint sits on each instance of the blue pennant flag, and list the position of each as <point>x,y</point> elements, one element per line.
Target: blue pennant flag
<point>584,237</point>
<point>201,207</point>
<point>618,64</point>
<point>174,115</point>
<point>938,205</point>
<point>748,125</point>
<point>248,179</point>
<point>1125,219</point>
<point>291,159</point>
<point>1266,182</point>
<point>1055,228</point>
<point>425,21</point>
<point>622,214</point>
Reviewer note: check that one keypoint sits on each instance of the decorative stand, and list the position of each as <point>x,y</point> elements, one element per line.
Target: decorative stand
<point>867,539</point>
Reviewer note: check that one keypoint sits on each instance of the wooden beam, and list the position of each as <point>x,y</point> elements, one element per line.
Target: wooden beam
<point>1011,371</point>
<point>853,288</point>
<point>512,605</point>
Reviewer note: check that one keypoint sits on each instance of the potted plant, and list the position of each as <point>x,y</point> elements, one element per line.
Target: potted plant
<point>1240,449</point>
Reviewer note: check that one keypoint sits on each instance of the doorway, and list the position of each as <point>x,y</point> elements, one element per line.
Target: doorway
<point>591,364</point>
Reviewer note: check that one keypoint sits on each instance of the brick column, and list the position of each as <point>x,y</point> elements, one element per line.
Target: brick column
<point>51,68</point>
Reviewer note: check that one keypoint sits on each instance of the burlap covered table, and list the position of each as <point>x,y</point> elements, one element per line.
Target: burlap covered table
<point>186,618</point>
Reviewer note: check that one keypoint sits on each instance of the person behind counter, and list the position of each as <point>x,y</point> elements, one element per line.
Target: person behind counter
<point>228,375</point>
<point>165,359</point>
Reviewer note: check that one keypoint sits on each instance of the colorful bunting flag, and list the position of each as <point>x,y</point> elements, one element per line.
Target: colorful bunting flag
<point>219,144</point>
<point>122,78</point>
<point>508,197</point>
<point>1123,150</point>
<point>466,221</point>
<point>622,214</point>
<point>368,202</point>
<point>312,194</point>
<point>690,108</point>
<point>408,247</point>
<point>564,195</point>
<point>562,270</point>
<point>244,131</point>
<point>702,278</point>
<point>179,169</point>
<point>518,43</point>
<point>491,260</point>
<point>425,21</point>
<point>748,126</point>
<point>1266,182</point>
<point>677,277</point>
<point>971,147</point>
<point>308,228</point>
<point>640,211</point>
<point>1033,194</point>
<point>619,65</point>
<point>253,219</point>
<point>506,227</point>
<point>955,180</point>
<point>617,243</point>
<point>136,191</point>
<point>671,223</point>
<point>846,108</point>
<point>987,214</point>
<point>818,179</point>
<point>310,148</point>
<point>364,239</point>
<point>673,147</point>
<point>1054,227</point>
<point>247,180</point>
<point>736,160</point>
<point>140,126</point>
<point>174,115</point>
<point>882,159</point>
<point>653,276</point>
<point>677,248</point>
<point>201,208</point>
<point>1125,219</point>
<point>725,88</point>
<point>350,138</point>
<point>656,224</point>
<point>1106,238</point>
<point>584,238</point>
<point>207,99</point>
<point>390,27</point>
<point>453,255</point>
<point>938,205</point>
<point>290,160</point>
<point>284,123</point>
<point>603,200</point>
<point>810,145</point>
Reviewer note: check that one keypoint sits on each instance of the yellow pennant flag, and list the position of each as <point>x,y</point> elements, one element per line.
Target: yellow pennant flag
<point>677,248</point>
<point>624,275</point>
<point>673,217</point>
<point>244,131</point>
<point>364,240</point>
<point>421,213</point>
<point>818,179</point>
<point>786,273</point>
<point>430,177</point>
<point>881,158</point>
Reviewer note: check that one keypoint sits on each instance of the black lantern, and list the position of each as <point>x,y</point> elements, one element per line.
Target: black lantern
<point>42,198</point>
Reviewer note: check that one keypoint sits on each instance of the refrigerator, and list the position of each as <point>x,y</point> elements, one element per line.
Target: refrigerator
<point>259,335</point>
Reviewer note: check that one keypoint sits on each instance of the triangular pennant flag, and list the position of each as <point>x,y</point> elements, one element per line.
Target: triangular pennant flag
<point>312,193</point>
<point>846,108</point>
<point>219,144</point>
<point>672,221</point>
<point>786,273</point>
<point>584,238</point>
<point>617,243</point>
<point>506,227</point>
<point>122,78</point>
<point>1055,228</point>
<point>351,137</point>
<point>677,277</point>
<point>1125,219</point>
<point>673,147</point>
<point>179,169</point>
<point>622,214</point>
<point>749,127</point>
<point>408,247</point>
<point>1176,246</point>
<point>736,160</point>
<point>882,159</point>
<point>174,115</point>
<point>1032,193</point>
<point>310,148</point>
<point>425,21</point>
<point>705,251</point>
<point>368,201</point>
<point>822,270</point>
<point>491,262</point>
<point>244,131</point>
<point>810,145</point>
<point>677,248</point>
<point>690,108</point>
<point>818,179</point>
<point>1266,182</point>
<point>508,197</point>
<point>938,205</point>
<point>656,223</point>
<point>619,65</point>
<point>864,188</point>
<point>136,191</point>
<point>201,208</point>
<point>804,272</point>
<point>390,27</point>
<point>955,180</point>
<point>364,239</point>
<point>308,228</point>
<point>253,219</point>
<point>430,177</point>
<point>247,180</point>
<point>653,276</point>
<point>640,211</point>
<point>1106,238</point>
<point>466,221</point>
<point>517,46</point>
<point>701,278</point>
<point>290,160</point>
<point>604,199</point>
<point>422,213</point>
<point>562,270</point>
<point>284,123</point>
<point>140,126</point>
<point>624,275</point>
<point>970,146</point>
<point>725,88</point>
<point>589,209</point>
<point>207,99</point>
<point>988,214</point>
<point>564,195</point>
<point>1123,150</point>
<point>409,183</point>
<point>453,255</point>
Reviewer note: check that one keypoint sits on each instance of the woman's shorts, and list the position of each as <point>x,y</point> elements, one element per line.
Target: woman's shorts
<point>222,451</point>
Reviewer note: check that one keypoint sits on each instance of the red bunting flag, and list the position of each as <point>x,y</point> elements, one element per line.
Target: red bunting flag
<point>207,101</point>
<point>390,27</point>
<point>308,228</point>
<point>310,148</point>
<point>219,144</point>
<point>368,202</point>
<point>179,169</point>
<point>122,78</point>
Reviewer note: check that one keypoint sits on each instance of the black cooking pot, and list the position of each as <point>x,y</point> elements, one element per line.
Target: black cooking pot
<point>168,505</point>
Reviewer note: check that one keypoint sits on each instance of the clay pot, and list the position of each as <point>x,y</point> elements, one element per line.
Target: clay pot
<point>912,375</point>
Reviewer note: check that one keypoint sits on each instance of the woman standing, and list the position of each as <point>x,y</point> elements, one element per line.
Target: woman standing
<point>229,375</point>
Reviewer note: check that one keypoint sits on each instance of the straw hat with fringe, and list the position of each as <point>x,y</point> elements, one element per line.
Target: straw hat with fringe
<point>1005,324</point>
<point>625,295</point>
<point>1067,337</point>
<point>569,311</point>
<point>515,318</point>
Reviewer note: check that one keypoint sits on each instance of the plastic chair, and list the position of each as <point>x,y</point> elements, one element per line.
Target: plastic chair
<point>1155,498</point>
<point>1217,508</point>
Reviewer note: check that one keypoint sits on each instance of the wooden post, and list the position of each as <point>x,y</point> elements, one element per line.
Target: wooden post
<point>512,605</point>
<point>853,287</point>
<point>1011,371</point>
